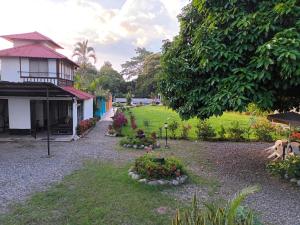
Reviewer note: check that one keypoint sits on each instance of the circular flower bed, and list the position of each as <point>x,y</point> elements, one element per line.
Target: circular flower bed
<point>139,143</point>
<point>154,170</point>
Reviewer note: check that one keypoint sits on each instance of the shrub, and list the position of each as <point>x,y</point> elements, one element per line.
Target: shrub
<point>152,167</point>
<point>173,126</point>
<point>212,214</point>
<point>295,136</point>
<point>119,121</point>
<point>254,110</point>
<point>204,130</point>
<point>235,131</point>
<point>222,132</point>
<point>185,131</point>
<point>140,133</point>
<point>146,124</point>
<point>128,98</point>
<point>263,130</point>
<point>146,141</point>
<point>289,167</point>
<point>84,125</point>
<point>132,121</point>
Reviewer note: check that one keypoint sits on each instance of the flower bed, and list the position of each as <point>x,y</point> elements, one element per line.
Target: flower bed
<point>288,169</point>
<point>154,170</point>
<point>85,125</point>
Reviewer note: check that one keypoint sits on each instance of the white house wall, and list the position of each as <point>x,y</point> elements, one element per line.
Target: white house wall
<point>19,113</point>
<point>88,109</point>
<point>9,69</point>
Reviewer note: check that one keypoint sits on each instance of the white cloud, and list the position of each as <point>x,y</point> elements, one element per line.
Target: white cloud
<point>135,23</point>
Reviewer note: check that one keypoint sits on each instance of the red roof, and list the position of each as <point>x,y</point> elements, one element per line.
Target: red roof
<point>35,36</point>
<point>79,94</point>
<point>33,51</point>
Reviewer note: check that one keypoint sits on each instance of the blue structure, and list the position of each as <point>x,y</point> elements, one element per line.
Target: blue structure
<point>100,106</point>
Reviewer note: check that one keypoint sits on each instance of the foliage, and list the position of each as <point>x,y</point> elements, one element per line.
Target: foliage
<point>204,130</point>
<point>263,129</point>
<point>146,141</point>
<point>152,167</point>
<point>147,81</point>
<point>133,68</point>
<point>236,132</point>
<point>222,132</point>
<point>289,167</point>
<point>173,126</point>
<point>232,53</point>
<point>185,129</point>
<point>84,125</point>
<point>132,121</point>
<point>212,214</point>
<point>83,52</point>
<point>128,98</point>
<point>254,110</point>
<point>146,124</point>
<point>295,136</point>
<point>119,121</point>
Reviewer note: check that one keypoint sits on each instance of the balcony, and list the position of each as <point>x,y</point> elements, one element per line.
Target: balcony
<point>46,77</point>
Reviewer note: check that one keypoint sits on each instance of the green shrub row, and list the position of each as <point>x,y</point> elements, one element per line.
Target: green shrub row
<point>289,167</point>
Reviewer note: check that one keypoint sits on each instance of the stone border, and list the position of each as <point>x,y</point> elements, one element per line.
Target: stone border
<point>175,182</point>
<point>141,146</point>
<point>293,180</point>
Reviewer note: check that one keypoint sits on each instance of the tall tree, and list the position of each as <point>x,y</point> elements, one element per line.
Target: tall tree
<point>133,68</point>
<point>84,53</point>
<point>111,80</point>
<point>231,53</point>
<point>147,81</point>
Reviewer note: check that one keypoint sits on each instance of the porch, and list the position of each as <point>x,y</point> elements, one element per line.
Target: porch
<point>24,107</point>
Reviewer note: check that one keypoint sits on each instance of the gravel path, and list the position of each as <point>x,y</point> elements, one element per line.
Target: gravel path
<point>237,165</point>
<point>24,167</point>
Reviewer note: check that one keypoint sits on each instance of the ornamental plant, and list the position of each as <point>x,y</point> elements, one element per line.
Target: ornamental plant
<point>296,136</point>
<point>212,214</point>
<point>173,126</point>
<point>289,167</point>
<point>204,130</point>
<point>119,121</point>
<point>185,129</point>
<point>263,130</point>
<point>151,166</point>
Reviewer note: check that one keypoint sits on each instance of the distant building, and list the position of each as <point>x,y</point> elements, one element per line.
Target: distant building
<point>138,101</point>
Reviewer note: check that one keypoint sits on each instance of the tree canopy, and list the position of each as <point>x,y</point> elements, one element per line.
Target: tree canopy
<point>229,53</point>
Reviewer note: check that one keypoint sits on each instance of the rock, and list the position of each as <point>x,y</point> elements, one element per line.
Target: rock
<point>125,146</point>
<point>135,176</point>
<point>153,182</point>
<point>162,182</point>
<point>175,182</point>
<point>135,146</point>
<point>293,180</point>
<point>130,169</point>
<point>298,182</point>
<point>142,146</point>
<point>286,176</point>
<point>130,173</point>
<point>142,180</point>
<point>183,179</point>
<point>129,146</point>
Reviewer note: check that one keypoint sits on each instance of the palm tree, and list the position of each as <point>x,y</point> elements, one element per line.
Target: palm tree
<point>84,53</point>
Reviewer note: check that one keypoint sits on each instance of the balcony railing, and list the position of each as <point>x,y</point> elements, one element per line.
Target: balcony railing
<point>45,77</point>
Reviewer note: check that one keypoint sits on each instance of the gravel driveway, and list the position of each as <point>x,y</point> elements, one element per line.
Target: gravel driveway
<point>24,167</point>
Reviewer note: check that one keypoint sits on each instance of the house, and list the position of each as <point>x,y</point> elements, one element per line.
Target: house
<point>35,78</point>
<point>103,105</point>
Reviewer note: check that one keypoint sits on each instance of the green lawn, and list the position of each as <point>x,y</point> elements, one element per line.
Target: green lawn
<point>158,115</point>
<point>97,194</point>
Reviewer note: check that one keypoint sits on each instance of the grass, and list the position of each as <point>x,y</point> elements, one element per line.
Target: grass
<point>97,194</point>
<point>158,115</point>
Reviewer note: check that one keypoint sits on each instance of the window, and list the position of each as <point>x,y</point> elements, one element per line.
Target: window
<point>38,68</point>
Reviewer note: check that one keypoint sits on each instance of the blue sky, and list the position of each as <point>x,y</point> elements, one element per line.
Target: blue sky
<point>113,27</point>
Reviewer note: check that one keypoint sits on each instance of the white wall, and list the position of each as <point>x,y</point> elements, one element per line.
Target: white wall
<point>88,109</point>
<point>19,113</point>
<point>9,69</point>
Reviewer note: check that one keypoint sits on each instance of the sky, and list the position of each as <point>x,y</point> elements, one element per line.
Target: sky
<point>113,27</point>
